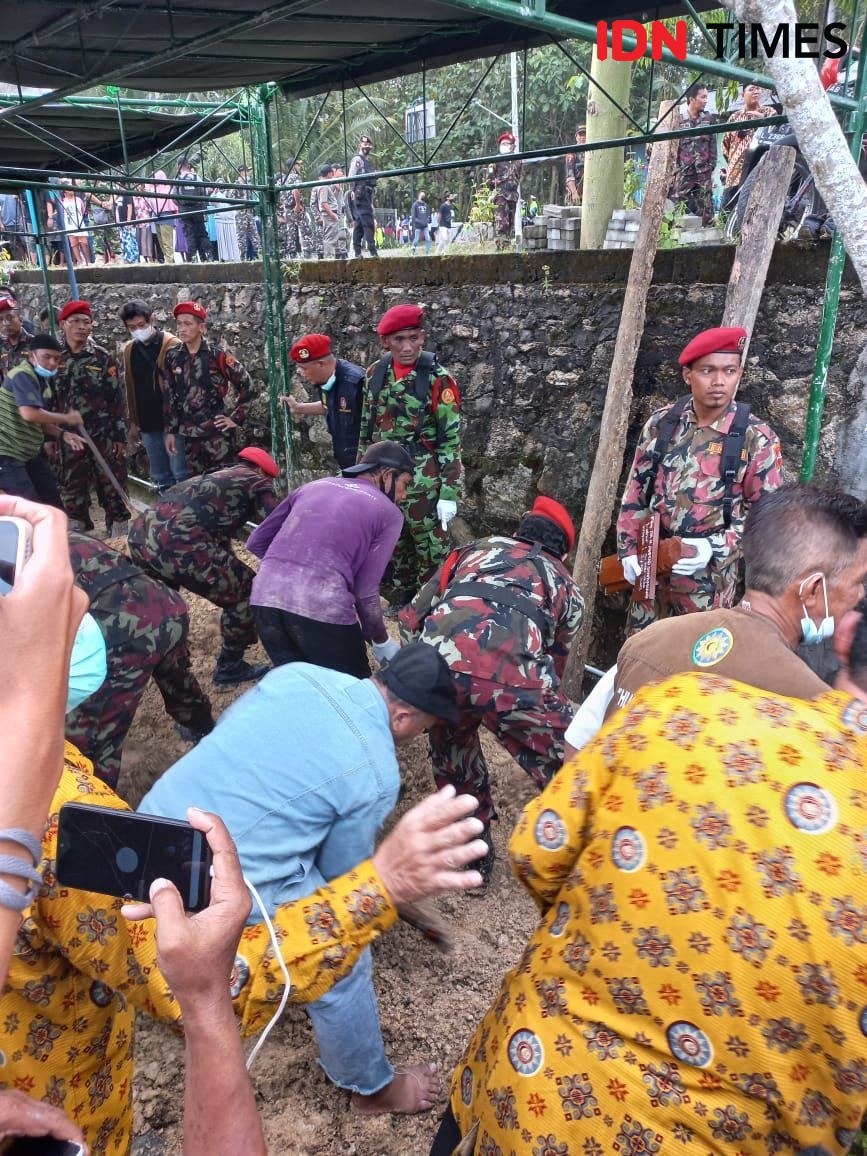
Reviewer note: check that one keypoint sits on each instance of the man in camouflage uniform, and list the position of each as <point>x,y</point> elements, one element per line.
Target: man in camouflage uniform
<point>503,613</point>
<point>682,482</point>
<point>185,540</point>
<point>14,338</point>
<point>197,378</point>
<point>245,221</point>
<point>146,627</point>
<point>295,233</point>
<point>409,398</point>
<point>88,381</point>
<point>696,159</point>
<point>504,178</point>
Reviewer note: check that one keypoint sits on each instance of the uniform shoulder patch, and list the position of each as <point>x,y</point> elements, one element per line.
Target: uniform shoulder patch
<point>448,396</point>
<point>712,647</point>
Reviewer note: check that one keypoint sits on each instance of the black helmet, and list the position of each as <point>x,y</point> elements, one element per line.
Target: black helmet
<point>383,456</point>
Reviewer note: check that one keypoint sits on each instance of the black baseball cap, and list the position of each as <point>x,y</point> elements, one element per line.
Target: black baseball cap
<point>383,456</point>
<point>45,341</point>
<point>418,674</point>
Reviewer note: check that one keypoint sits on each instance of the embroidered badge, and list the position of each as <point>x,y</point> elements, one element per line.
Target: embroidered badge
<point>303,353</point>
<point>448,396</point>
<point>712,647</point>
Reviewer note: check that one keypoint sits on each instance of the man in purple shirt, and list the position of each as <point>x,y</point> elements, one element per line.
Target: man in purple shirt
<point>324,551</point>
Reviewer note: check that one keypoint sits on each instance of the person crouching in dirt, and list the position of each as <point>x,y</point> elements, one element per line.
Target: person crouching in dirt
<point>503,613</point>
<point>146,628</point>
<point>186,541</point>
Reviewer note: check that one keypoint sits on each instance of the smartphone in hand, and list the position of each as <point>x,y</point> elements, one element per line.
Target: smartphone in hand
<point>40,1146</point>
<point>121,853</point>
<point>15,535</point>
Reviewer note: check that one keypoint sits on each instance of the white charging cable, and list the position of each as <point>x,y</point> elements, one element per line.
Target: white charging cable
<point>287,981</point>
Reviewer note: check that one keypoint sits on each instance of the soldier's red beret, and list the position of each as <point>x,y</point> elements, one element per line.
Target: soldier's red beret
<point>191,307</point>
<point>509,136</point>
<point>310,347</point>
<point>400,317</point>
<point>7,303</point>
<point>72,307</point>
<point>559,515</point>
<point>728,339</point>
<point>256,456</point>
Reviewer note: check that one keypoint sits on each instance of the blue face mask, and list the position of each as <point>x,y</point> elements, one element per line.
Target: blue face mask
<point>328,384</point>
<point>812,633</point>
<point>43,372</point>
<point>88,665</point>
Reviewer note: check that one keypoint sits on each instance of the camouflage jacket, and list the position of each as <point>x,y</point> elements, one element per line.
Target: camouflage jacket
<point>211,507</point>
<point>286,206</point>
<point>89,382</point>
<point>696,155</point>
<point>395,414</point>
<point>103,574</point>
<point>490,640</point>
<point>12,355</point>
<point>688,490</point>
<point>505,178</point>
<point>196,386</point>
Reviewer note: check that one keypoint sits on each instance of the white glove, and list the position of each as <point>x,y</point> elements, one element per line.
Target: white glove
<point>446,510</point>
<point>385,651</point>
<point>631,569</point>
<point>687,566</point>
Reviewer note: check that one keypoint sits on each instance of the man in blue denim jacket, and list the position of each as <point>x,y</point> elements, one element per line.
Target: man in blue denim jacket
<point>303,771</point>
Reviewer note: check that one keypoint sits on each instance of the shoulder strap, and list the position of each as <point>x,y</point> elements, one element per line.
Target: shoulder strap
<point>733,449</point>
<point>537,613</point>
<point>377,381</point>
<point>664,432</point>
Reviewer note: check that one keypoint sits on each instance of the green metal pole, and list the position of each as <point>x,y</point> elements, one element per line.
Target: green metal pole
<point>833,281</point>
<point>272,280</point>
<point>43,254</point>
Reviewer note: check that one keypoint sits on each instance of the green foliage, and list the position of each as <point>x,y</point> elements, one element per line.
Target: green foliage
<point>669,225</point>
<point>631,183</point>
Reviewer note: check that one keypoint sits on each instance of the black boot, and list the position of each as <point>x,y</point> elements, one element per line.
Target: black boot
<point>231,669</point>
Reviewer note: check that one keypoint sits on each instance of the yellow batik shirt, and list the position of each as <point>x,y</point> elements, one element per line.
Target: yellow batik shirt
<point>80,972</point>
<point>698,980</point>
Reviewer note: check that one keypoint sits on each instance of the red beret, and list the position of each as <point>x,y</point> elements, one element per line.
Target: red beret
<point>400,317</point>
<point>256,456</point>
<point>725,340</point>
<point>310,347</point>
<point>509,136</point>
<point>7,303</point>
<point>191,307</point>
<point>559,515</point>
<point>72,307</point>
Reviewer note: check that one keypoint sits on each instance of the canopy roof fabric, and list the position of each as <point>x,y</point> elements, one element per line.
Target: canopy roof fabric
<point>78,137</point>
<point>308,46</point>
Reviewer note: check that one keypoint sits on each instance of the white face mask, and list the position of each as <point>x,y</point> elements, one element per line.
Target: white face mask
<point>143,334</point>
<point>812,633</point>
<point>505,147</point>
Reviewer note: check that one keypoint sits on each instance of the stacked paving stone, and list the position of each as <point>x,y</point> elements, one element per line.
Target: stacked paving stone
<point>563,225</point>
<point>535,236</point>
<point>687,230</point>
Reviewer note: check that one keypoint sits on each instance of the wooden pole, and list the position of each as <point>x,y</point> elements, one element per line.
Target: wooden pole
<point>601,492</point>
<point>758,235</point>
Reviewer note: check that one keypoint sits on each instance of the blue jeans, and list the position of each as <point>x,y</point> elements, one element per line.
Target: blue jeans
<point>165,468</point>
<point>417,236</point>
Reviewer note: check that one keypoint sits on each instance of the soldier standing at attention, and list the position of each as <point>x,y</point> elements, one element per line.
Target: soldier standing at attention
<point>88,381</point>
<point>503,613</point>
<point>696,158</point>
<point>505,178</point>
<point>410,399</point>
<point>185,540</point>
<point>198,377</point>
<point>700,464</point>
<point>146,628</point>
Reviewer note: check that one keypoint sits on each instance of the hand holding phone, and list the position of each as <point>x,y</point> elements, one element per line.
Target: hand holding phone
<point>15,549</point>
<point>30,1127</point>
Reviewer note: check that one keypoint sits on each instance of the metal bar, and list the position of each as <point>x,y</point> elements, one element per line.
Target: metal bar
<point>53,27</point>
<point>424,110</point>
<point>343,119</point>
<point>698,20</point>
<point>122,135</point>
<point>310,129</point>
<point>385,119</point>
<point>463,108</point>
<point>46,136</point>
<point>128,103</point>
<point>42,257</point>
<point>831,303</point>
<point>625,112</point>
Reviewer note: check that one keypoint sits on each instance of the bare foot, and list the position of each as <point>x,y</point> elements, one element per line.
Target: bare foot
<point>414,1089</point>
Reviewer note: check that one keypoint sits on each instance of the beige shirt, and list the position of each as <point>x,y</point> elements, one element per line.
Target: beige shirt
<point>735,644</point>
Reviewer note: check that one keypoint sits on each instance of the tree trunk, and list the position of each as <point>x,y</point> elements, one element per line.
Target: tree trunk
<point>756,243</point>
<point>603,168</point>
<point>819,135</point>
<point>602,490</point>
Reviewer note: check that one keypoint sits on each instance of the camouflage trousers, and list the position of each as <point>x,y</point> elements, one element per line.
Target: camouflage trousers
<point>205,568</point>
<point>205,453</point>
<point>422,546</point>
<point>79,473</point>
<point>146,635</point>
<point>694,191</point>
<point>504,220</point>
<point>296,236</point>
<point>248,236</point>
<point>720,587</point>
<point>530,722</point>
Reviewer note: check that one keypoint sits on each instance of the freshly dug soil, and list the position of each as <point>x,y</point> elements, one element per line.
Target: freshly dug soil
<point>429,1002</point>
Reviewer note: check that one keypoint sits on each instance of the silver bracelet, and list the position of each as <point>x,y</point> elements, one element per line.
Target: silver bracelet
<point>24,839</point>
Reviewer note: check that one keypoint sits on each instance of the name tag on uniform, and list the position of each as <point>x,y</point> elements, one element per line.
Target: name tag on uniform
<point>343,407</point>
<point>714,447</point>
